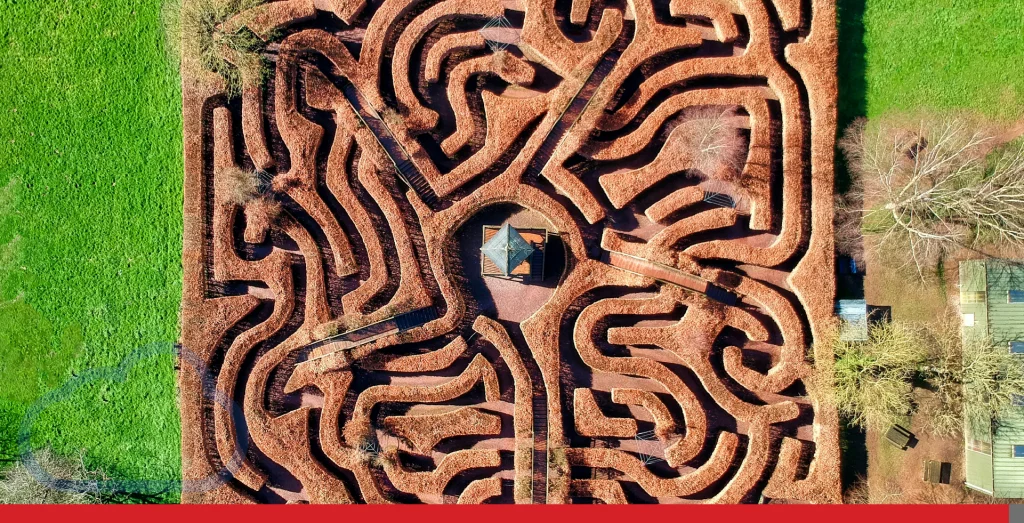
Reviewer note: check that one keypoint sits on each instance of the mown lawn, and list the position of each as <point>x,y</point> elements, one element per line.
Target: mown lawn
<point>90,216</point>
<point>904,55</point>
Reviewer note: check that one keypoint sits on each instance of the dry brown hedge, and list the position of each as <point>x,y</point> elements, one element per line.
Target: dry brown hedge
<point>433,483</point>
<point>684,485</point>
<point>348,190</point>
<point>480,490</point>
<point>427,430</point>
<point>591,422</point>
<point>607,490</point>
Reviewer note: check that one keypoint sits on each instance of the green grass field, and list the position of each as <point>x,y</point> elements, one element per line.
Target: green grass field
<point>902,55</point>
<point>90,155</point>
<point>90,205</point>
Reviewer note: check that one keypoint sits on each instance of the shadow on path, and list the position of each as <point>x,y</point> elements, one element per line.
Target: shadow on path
<point>852,79</point>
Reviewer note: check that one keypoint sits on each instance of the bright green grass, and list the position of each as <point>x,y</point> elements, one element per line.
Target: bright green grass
<point>90,135</point>
<point>905,55</point>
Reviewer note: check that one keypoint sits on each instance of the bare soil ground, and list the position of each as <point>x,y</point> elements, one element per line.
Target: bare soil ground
<point>897,476</point>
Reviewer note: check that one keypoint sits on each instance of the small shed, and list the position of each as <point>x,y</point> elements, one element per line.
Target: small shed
<point>853,318</point>
<point>992,305</point>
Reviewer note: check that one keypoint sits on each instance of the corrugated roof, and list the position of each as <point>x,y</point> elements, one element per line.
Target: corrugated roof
<point>853,317</point>
<point>984,290</point>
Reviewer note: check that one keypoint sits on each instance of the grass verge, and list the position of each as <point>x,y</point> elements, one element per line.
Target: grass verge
<point>937,54</point>
<point>90,155</point>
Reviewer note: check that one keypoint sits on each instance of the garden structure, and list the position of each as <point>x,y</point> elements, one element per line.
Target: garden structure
<point>992,305</point>
<point>339,343</point>
<point>508,251</point>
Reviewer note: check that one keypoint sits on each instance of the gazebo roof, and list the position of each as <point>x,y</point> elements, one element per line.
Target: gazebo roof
<point>507,249</point>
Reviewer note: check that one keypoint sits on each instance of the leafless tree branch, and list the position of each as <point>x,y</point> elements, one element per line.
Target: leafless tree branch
<point>933,184</point>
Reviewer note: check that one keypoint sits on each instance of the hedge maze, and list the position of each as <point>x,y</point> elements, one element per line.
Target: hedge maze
<point>680,155</point>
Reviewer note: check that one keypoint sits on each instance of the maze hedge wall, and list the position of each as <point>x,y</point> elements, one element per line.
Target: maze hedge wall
<point>680,152</point>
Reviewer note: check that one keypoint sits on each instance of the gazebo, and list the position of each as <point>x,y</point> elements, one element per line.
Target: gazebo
<point>506,252</point>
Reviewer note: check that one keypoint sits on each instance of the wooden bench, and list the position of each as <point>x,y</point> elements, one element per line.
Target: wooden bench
<point>937,471</point>
<point>899,436</point>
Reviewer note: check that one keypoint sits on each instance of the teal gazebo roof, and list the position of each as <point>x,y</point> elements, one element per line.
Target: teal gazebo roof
<point>507,249</point>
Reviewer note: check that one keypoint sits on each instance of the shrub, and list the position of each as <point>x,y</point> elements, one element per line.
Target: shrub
<point>975,381</point>
<point>241,186</point>
<point>872,385</point>
<point>194,29</point>
<point>267,207</point>
<point>926,185</point>
<point>717,147</point>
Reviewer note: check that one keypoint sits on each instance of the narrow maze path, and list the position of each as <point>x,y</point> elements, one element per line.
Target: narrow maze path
<point>540,432</point>
<point>409,175</point>
<point>572,112</point>
<point>407,171</point>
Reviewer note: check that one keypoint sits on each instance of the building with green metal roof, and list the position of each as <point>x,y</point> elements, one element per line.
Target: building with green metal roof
<point>992,305</point>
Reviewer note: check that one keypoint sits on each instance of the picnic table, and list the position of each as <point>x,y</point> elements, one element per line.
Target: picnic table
<point>936,471</point>
<point>899,436</point>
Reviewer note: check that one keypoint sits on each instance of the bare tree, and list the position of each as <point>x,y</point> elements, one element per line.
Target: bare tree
<point>887,488</point>
<point>934,184</point>
<point>977,383</point>
<point>873,380</point>
<point>879,489</point>
<point>367,451</point>
<point>718,147</point>
<point>248,189</point>
<point>266,208</point>
<point>197,29</point>
<point>241,186</point>
<point>847,223</point>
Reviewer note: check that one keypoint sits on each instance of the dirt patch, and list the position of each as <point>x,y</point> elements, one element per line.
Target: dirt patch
<point>897,476</point>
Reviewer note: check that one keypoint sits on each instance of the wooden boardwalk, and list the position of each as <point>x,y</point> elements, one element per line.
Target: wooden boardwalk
<point>407,171</point>
<point>670,275</point>
<point>540,432</point>
<point>571,113</point>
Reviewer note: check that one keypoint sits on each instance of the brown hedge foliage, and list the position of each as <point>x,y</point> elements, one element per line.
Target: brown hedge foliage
<point>591,422</point>
<point>606,490</point>
<point>425,431</point>
<point>434,482</point>
<point>591,134</point>
<point>480,490</point>
<point>416,363</point>
<point>684,485</point>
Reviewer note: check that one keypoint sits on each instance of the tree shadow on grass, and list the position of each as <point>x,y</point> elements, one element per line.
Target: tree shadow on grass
<point>854,448</point>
